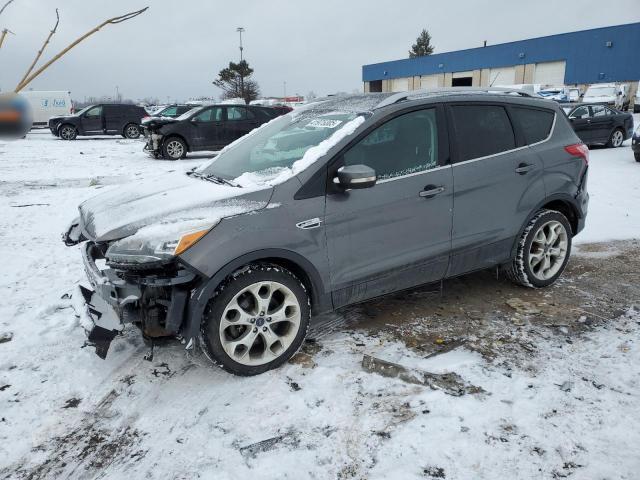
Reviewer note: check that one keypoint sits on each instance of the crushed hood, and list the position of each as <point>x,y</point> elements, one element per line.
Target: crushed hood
<point>169,199</point>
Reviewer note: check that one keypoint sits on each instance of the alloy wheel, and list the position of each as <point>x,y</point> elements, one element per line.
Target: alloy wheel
<point>617,138</point>
<point>548,250</point>
<point>132,131</point>
<point>175,149</point>
<point>260,323</point>
<point>67,133</point>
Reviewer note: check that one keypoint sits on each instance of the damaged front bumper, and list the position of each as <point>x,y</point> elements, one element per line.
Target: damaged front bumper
<point>153,144</point>
<point>155,301</point>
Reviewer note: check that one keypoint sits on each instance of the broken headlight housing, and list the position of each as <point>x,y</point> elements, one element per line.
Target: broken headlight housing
<point>137,250</point>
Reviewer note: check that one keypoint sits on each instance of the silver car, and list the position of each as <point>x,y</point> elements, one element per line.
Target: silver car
<point>335,203</point>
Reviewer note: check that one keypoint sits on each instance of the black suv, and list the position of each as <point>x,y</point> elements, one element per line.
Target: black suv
<point>210,127</point>
<point>106,119</point>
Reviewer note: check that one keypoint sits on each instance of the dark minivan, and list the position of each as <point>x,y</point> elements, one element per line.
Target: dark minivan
<point>210,127</point>
<point>103,119</point>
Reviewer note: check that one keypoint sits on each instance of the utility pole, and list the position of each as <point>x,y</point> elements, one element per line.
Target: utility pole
<point>240,30</point>
<point>284,99</point>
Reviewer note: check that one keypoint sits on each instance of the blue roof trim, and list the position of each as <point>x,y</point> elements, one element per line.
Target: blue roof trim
<point>588,59</point>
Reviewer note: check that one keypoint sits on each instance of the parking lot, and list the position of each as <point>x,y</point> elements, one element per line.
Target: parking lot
<point>546,382</point>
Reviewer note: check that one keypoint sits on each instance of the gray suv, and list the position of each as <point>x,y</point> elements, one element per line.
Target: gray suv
<point>338,202</point>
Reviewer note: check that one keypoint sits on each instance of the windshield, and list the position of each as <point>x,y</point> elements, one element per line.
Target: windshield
<point>275,147</point>
<point>600,92</point>
<point>84,110</point>
<point>188,113</point>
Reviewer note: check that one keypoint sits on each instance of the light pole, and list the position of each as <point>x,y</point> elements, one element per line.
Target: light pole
<point>240,30</point>
<point>284,86</point>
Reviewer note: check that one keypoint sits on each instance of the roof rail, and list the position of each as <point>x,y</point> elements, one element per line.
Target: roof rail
<point>399,97</point>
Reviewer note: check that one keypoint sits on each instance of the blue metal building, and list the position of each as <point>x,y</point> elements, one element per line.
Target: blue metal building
<point>608,54</point>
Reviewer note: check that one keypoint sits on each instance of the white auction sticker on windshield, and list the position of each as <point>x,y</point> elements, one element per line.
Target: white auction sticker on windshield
<point>324,123</point>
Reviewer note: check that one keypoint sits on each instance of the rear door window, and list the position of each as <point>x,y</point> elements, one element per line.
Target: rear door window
<point>481,130</point>
<point>535,124</point>
<point>236,113</point>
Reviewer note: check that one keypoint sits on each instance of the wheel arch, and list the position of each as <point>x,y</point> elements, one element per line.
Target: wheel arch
<point>302,268</point>
<point>178,135</point>
<point>562,203</point>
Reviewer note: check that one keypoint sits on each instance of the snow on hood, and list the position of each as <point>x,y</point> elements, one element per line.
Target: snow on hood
<point>172,198</point>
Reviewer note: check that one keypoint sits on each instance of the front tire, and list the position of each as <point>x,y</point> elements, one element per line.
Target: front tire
<point>174,148</point>
<point>256,320</point>
<point>68,132</point>
<point>543,250</point>
<point>616,139</point>
<point>637,156</point>
<point>131,131</point>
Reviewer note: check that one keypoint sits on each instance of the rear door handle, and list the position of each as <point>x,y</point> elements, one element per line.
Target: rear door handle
<point>524,168</point>
<point>431,191</point>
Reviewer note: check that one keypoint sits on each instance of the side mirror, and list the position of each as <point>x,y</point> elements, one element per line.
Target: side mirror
<point>194,120</point>
<point>355,177</point>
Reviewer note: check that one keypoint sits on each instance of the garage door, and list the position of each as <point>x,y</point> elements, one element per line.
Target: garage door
<point>502,76</point>
<point>429,81</point>
<point>400,85</point>
<point>549,73</point>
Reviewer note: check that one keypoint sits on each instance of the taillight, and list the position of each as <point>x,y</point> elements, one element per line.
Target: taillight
<point>579,150</point>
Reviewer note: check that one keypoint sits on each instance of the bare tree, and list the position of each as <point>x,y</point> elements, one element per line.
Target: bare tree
<point>44,45</point>
<point>4,31</point>
<point>29,77</point>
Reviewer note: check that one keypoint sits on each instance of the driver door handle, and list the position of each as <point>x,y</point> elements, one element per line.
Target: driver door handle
<point>431,191</point>
<point>524,168</point>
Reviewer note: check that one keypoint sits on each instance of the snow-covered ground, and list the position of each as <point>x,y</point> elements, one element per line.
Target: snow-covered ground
<point>571,408</point>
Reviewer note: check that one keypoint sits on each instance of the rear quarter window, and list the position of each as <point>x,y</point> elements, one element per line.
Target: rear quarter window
<point>535,124</point>
<point>481,130</point>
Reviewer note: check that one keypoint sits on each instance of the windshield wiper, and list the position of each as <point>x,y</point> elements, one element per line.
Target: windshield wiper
<point>212,178</point>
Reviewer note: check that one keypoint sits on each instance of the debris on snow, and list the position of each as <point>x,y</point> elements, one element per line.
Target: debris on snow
<point>450,383</point>
<point>288,440</point>
<point>6,337</point>
<point>525,308</point>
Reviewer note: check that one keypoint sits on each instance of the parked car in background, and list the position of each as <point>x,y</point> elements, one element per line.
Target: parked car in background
<point>171,111</point>
<point>636,100</point>
<point>600,124</point>
<point>103,119</point>
<point>635,144</point>
<point>612,94</point>
<point>559,94</point>
<point>345,200</point>
<point>45,105</point>
<point>575,95</point>
<point>210,127</point>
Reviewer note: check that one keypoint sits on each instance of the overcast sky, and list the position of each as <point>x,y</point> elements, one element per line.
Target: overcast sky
<point>177,48</point>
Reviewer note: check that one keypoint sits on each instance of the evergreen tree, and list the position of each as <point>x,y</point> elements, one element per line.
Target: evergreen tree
<point>235,82</point>
<point>422,46</point>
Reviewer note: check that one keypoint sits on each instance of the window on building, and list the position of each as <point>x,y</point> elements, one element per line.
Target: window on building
<point>482,130</point>
<point>535,124</point>
<point>404,145</point>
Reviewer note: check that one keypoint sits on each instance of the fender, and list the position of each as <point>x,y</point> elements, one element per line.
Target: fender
<point>565,197</point>
<point>321,300</point>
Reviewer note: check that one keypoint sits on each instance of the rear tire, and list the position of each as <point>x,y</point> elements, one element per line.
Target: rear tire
<point>616,139</point>
<point>543,250</point>
<point>256,320</point>
<point>174,148</point>
<point>131,131</point>
<point>67,132</point>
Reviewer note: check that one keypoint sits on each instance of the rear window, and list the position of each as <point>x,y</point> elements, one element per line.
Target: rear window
<point>535,124</point>
<point>481,130</point>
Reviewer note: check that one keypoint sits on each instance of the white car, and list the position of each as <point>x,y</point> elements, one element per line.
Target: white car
<point>614,95</point>
<point>48,104</point>
<point>636,100</point>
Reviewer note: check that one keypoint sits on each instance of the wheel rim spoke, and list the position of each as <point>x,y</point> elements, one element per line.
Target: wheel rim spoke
<point>548,250</point>
<point>260,323</point>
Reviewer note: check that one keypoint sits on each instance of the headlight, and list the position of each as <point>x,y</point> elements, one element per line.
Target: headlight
<point>137,249</point>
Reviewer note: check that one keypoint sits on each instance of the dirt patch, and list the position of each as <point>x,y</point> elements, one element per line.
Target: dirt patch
<point>487,313</point>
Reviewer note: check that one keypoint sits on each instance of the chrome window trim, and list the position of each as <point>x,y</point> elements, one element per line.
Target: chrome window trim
<point>413,174</point>
<point>553,127</point>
